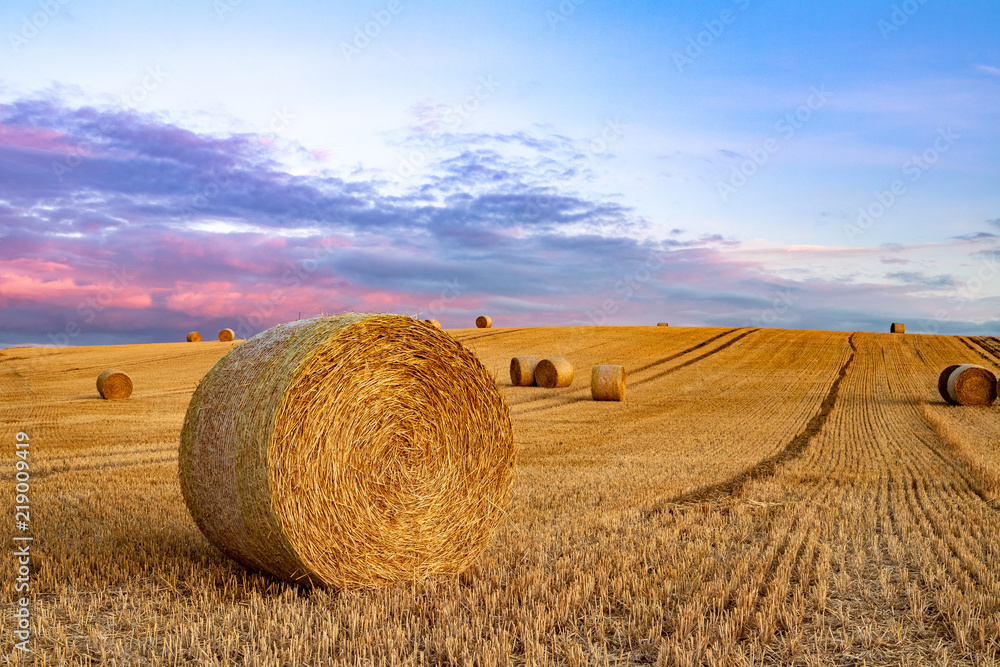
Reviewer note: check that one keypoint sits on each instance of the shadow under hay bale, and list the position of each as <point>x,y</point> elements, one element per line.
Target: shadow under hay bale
<point>484,321</point>
<point>194,337</point>
<point>554,372</point>
<point>113,384</point>
<point>607,383</point>
<point>522,371</point>
<point>970,384</point>
<point>361,450</point>
<point>227,335</point>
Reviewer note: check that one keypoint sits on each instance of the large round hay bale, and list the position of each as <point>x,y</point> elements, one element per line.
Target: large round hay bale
<point>227,335</point>
<point>522,371</point>
<point>484,321</point>
<point>607,383</point>
<point>554,372</point>
<point>662,324</point>
<point>360,450</point>
<point>194,337</point>
<point>943,383</point>
<point>897,327</point>
<point>433,323</point>
<point>972,385</point>
<point>112,384</point>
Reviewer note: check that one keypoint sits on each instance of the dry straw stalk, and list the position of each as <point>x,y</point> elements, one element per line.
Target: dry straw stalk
<point>554,372</point>
<point>112,384</point>
<point>433,323</point>
<point>607,383</point>
<point>897,327</point>
<point>522,371</point>
<point>227,335</point>
<point>484,321</point>
<point>360,450</point>
<point>972,385</point>
<point>194,337</point>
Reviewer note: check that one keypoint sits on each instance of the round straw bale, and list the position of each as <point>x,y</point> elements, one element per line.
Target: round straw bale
<point>226,335</point>
<point>522,371</point>
<point>362,449</point>
<point>943,383</point>
<point>194,337</point>
<point>607,383</point>
<point>433,323</point>
<point>897,327</point>
<point>114,384</point>
<point>662,324</point>
<point>972,385</point>
<point>484,321</point>
<point>554,372</point>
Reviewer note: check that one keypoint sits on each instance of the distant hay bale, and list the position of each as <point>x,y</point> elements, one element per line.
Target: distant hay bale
<point>194,337</point>
<point>433,323</point>
<point>607,383</point>
<point>522,371</point>
<point>972,385</point>
<point>484,321</point>
<point>662,324</point>
<point>113,384</point>
<point>554,372</point>
<point>943,383</point>
<point>227,335</point>
<point>897,327</point>
<point>360,450</point>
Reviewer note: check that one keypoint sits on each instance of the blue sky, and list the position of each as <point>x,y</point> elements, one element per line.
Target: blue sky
<point>549,163</point>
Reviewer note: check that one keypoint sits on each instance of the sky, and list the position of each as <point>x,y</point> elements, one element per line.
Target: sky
<point>200,164</point>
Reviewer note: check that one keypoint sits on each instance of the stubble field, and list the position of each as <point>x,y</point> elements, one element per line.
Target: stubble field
<point>763,496</point>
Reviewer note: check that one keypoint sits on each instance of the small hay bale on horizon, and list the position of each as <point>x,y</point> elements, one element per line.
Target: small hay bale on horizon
<point>113,384</point>
<point>662,324</point>
<point>607,383</point>
<point>484,322</point>
<point>194,337</point>
<point>554,372</point>
<point>522,370</point>
<point>970,384</point>
<point>361,450</point>
<point>897,327</point>
<point>227,335</point>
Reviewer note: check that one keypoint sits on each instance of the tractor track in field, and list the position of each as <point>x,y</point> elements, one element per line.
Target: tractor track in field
<point>992,351</point>
<point>580,394</point>
<point>472,339</point>
<point>667,359</point>
<point>687,363</point>
<point>767,467</point>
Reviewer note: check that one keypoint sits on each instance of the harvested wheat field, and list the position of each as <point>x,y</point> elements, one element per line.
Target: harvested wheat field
<point>760,497</point>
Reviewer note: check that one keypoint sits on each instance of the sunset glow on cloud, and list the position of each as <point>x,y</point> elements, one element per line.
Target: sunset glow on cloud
<point>544,171</point>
